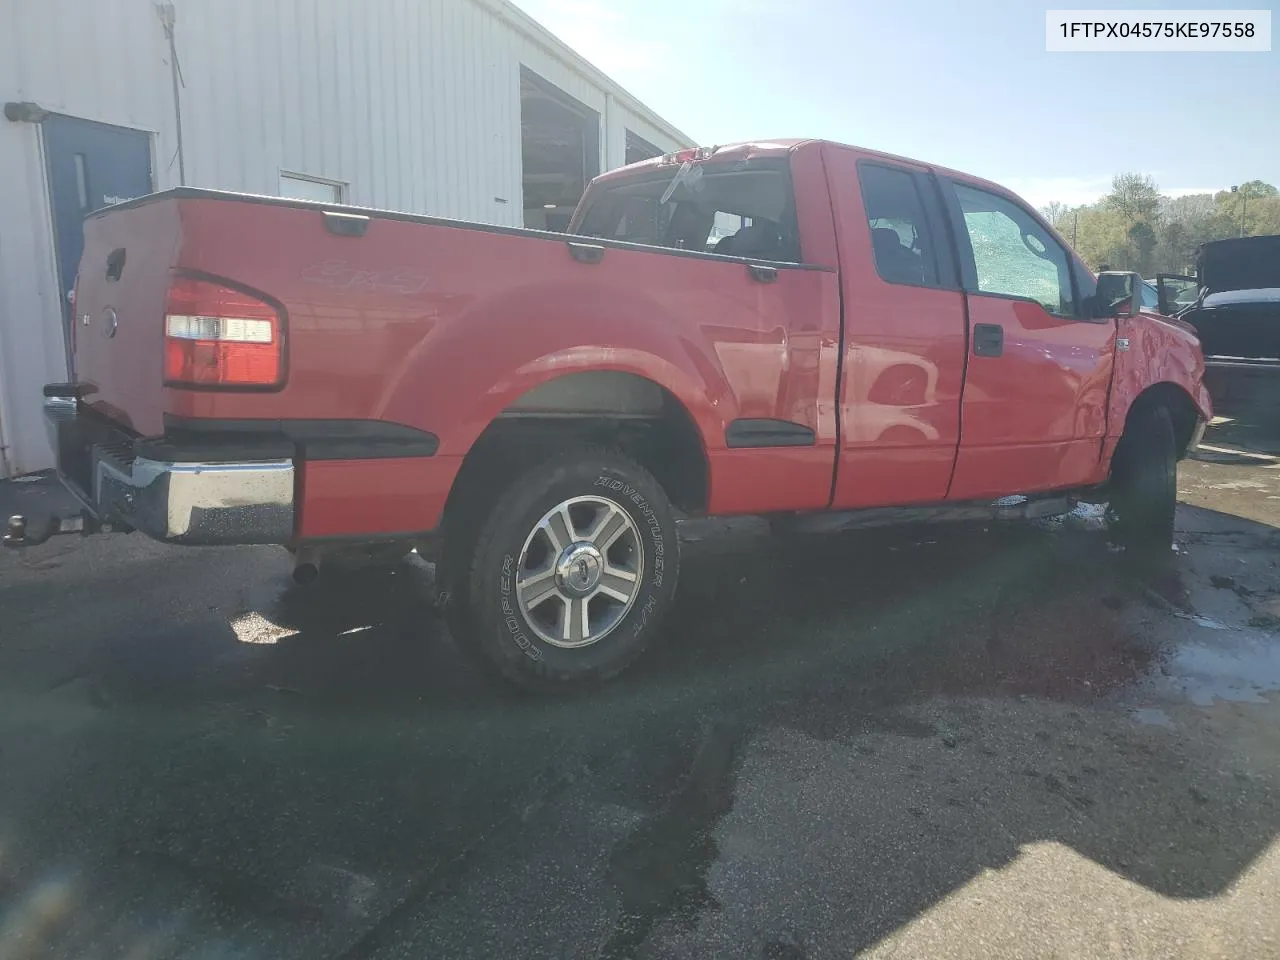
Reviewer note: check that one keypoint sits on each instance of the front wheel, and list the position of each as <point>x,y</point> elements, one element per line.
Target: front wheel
<point>571,573</point>
<point>1144,482</point>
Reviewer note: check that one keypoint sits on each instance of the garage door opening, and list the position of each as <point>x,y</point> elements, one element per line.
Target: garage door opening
<point>560,150</point>
<point>638,148</point>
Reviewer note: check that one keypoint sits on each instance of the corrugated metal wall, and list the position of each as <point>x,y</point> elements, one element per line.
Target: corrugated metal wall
<point>102,61</point>
<point>413,104</point>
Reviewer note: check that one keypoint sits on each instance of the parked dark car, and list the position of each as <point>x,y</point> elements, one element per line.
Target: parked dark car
<point>1237,316</point>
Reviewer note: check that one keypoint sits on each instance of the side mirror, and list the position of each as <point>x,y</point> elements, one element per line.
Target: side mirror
<point>1119,294</point>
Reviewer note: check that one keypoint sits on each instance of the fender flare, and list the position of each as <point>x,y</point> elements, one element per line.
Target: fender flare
<point>1166,388</point>
<point>1162,390</point>
<point>694,397</point>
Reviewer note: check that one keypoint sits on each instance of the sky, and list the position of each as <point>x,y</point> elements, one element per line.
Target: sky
<point>964,85</point>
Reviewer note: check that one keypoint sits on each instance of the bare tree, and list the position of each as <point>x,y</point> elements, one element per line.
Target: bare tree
<point>1189,209</point>
<point>1054,211</point>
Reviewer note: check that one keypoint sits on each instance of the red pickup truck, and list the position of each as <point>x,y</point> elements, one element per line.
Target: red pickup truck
<point>779,328</point>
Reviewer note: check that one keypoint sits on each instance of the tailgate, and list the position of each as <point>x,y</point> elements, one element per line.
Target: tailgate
<point>118,333</point>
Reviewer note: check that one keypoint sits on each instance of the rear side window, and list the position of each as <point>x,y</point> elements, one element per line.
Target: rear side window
<point>1013,255</point>
<point>736,209</point>
<point>902,241</point>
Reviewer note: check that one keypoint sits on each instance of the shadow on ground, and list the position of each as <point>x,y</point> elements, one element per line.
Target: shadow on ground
<point>344,784</point>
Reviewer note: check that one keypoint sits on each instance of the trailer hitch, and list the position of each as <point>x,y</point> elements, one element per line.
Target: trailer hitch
<point>20,533</point>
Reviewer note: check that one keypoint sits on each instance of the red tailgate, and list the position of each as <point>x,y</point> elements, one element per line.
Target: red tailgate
<point>118,333</point>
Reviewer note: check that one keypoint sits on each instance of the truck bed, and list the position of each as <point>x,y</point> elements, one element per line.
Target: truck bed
<point>404,336</point>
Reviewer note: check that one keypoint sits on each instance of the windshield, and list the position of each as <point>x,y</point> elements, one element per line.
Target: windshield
<point>742,209</point>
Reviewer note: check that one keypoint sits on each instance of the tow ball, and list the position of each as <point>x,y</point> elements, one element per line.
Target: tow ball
<point>19,532</point>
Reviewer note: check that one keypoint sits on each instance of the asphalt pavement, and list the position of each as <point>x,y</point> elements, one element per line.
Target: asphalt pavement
<point>968,741</point>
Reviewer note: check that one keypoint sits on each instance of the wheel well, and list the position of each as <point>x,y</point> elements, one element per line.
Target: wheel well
<point>606,408</point>
<point>1182,411</point>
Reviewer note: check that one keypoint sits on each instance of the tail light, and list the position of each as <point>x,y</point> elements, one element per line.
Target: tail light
<point>217,336</point>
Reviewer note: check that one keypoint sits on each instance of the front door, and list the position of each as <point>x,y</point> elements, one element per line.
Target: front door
<point>90,165</point>
<point>1034,409</point>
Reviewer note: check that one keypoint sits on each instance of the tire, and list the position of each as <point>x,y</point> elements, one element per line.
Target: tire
<point>590,530</point>
<point>1144,483</point>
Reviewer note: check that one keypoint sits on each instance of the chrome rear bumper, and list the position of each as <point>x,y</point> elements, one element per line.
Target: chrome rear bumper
<point>197,503</point>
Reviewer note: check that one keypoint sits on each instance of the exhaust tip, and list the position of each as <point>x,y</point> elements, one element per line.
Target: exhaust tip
<point>305,573</point>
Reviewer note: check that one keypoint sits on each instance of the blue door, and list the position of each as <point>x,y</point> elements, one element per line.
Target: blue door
<point>90,165</point>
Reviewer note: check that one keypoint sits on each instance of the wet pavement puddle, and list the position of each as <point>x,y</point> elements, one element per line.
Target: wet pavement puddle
<point>1153,717</point>
<point>1204,673</point>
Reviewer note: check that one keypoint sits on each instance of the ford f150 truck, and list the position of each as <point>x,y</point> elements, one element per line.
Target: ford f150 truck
<point>782,328</point>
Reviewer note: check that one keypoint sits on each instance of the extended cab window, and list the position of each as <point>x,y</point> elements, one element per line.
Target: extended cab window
<point>1013,254</point>
<point>742,209</point>
<point>901,240</point>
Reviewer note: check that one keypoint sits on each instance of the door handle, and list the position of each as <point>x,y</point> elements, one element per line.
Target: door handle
<point>762,274</point>
<point>988,340</point>
<point>586,252</point>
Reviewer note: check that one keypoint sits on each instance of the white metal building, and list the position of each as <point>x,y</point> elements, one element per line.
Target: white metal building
<point>455,108</point>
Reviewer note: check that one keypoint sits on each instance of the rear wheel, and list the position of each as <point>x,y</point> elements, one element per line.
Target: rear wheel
<point>569,576</point>
<point>1144,482</point>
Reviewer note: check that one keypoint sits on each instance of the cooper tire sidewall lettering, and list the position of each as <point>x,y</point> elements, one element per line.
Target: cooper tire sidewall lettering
<point>511,615</point>
<point>648,521</point>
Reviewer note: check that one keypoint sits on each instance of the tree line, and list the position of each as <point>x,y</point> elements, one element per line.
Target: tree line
<point>1136,227</point>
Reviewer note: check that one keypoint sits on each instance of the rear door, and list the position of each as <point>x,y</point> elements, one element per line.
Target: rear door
<point>759,324</point>
<point>1033,414</point>
<point>904,334</point>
